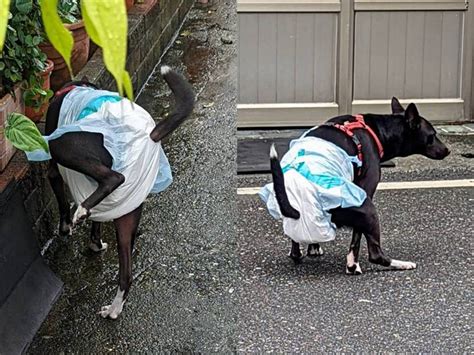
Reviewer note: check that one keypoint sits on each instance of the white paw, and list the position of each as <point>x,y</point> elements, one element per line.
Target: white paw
<point>315,250</point>
<point>357,271</point>
<point>113,311</point>
<point>96,249</point>
<point>81,213</point>
<point>402,265</point>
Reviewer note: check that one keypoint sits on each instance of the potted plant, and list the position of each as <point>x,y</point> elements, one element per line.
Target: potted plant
<point>70,13</point>
<point>37,93</point>
<point>21,61</point>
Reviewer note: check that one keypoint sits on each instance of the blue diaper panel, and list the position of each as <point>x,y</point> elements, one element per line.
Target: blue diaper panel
<point>94,105</point>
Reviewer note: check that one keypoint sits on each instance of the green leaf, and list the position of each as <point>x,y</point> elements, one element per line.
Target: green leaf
<point>37,40</point>
<point>29,40</point>
<point>106,23</point>
<point>127,84</point>
<point>49,94</point>
<point>24,6</point>
<point>58,35</point>
<point>23,133</point>
<point>2,65</point>
<point>4,16</point>
<point>91,30</point>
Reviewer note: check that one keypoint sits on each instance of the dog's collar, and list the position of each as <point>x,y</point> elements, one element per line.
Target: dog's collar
<point>359,123</point>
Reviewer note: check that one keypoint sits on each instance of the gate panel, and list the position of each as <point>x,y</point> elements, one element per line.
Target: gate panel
<point>407,54</point>
<point>304,61</point>
<point>287,57</point>
<point>288,61</point>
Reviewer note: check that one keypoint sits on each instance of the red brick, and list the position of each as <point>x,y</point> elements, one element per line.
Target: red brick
<point>8,105</point>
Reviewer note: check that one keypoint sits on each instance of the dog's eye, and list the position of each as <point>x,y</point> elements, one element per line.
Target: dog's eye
<point>430,139</point>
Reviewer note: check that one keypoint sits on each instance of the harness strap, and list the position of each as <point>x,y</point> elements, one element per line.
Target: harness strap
<point>68,88</point>
<point>360,120</point>
<point>65,90</point>
<point>348,128</point>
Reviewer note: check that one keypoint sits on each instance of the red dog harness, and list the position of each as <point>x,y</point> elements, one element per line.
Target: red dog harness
<point>65,90</point>
<point>68,88</point>
<point>359,123</point>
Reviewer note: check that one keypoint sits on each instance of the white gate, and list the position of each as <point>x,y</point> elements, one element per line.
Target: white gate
<point>301,62</point>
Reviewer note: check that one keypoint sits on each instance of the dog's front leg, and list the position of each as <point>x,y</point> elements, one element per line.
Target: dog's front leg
<point>352,265</point>
<point>57,184</point>
<point>126,230</point>
<point>314,250</point>
<point>108,181</point>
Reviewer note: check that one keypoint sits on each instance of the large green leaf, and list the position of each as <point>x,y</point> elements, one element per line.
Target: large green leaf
<point>23,133</point>
<point>127,84</point>
<point>58,35</point>
<point>106,23</point>
<point>4,9</point>
<point>91,31</point>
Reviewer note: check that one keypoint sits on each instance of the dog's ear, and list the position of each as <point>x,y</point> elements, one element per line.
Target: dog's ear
<point>412,116</point>
<point>397,106</point>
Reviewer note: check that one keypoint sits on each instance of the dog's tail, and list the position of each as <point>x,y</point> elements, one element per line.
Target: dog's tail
<point>279,186</point>
<point>184,103</point>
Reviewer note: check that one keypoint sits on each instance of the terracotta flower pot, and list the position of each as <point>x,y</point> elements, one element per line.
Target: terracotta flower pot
<point>36,114</point>
<point>8,105</point>
<point>129,3</point>
<point>80,52</point>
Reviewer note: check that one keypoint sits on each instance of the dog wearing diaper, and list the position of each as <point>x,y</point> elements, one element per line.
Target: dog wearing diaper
<point>107,150</point>
<point>329,176</point>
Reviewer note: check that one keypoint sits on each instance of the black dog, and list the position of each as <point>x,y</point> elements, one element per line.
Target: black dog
<point>401,134</point>
<point>84,152</point>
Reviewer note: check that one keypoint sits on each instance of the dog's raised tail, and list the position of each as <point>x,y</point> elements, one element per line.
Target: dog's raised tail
<point>279,186</point>
<point>184,103</point>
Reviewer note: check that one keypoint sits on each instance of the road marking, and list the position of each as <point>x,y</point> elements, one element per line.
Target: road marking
<point>407,185</point>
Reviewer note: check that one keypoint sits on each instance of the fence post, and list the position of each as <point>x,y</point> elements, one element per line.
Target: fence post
<point>468,60</point>
<point>344,80</point>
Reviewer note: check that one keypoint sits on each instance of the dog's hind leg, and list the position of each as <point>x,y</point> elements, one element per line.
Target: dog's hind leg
<point>314,250</point>
<point>57,184</point>
<point>364,219</point>
<point>295,252</point>
<point>126,230</point>
<point>85,152</point>
<point>371,230</point>
<point>96,243</point>
<point>352,265</point>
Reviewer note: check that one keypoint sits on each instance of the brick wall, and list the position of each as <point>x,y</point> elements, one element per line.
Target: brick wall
<point>8,104</point>
<point>152,25</point>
